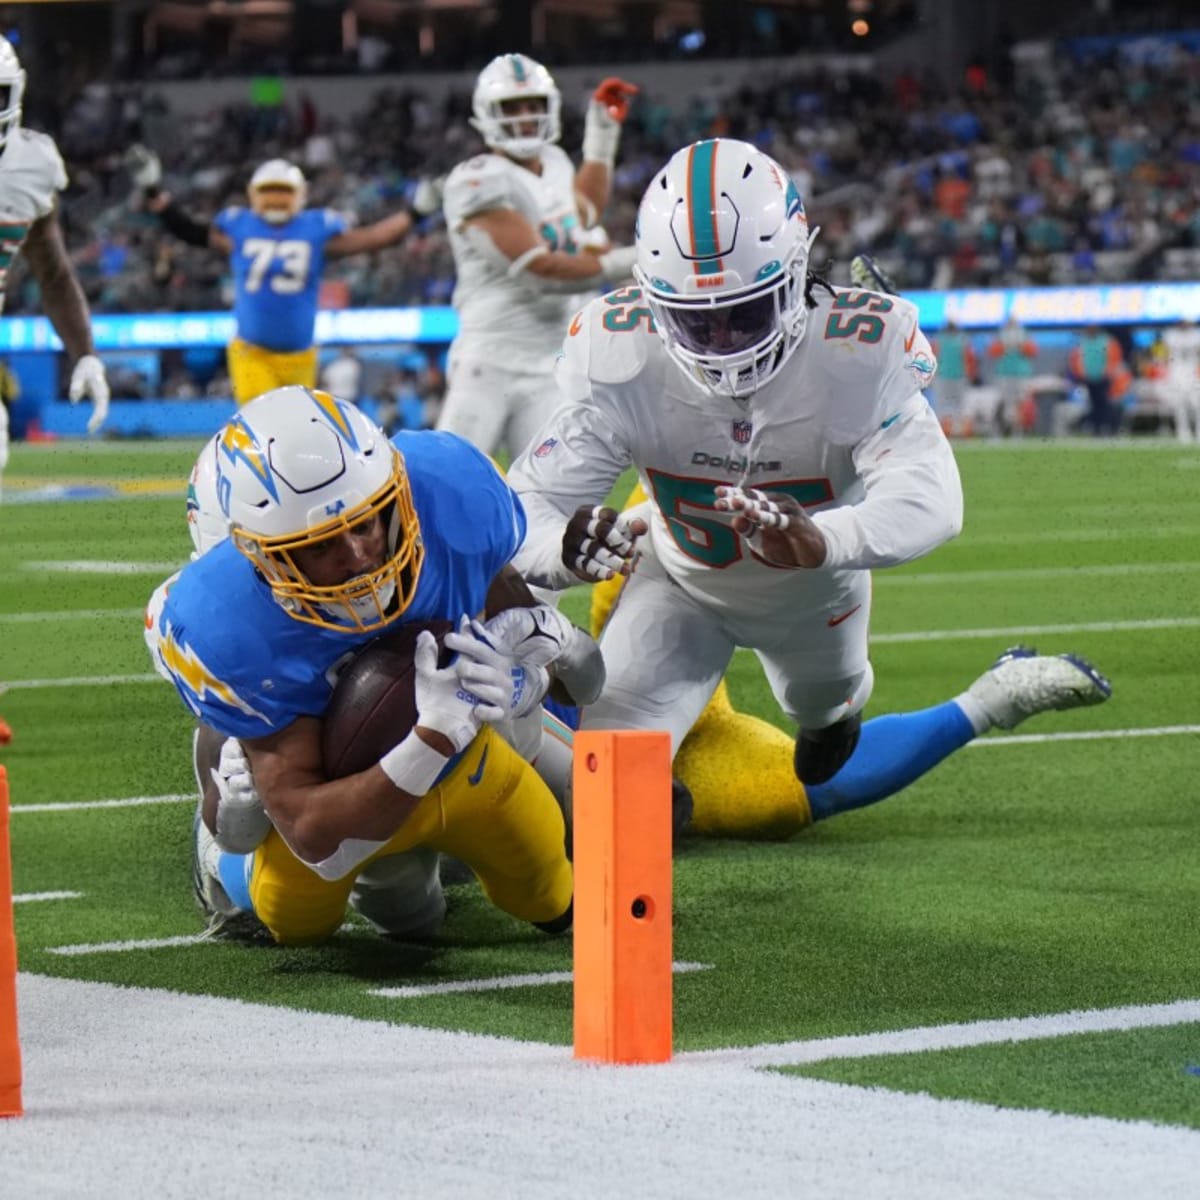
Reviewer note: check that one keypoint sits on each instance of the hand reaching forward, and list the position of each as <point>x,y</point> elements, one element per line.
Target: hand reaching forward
<point>599,542</point>
<point>775,526</point>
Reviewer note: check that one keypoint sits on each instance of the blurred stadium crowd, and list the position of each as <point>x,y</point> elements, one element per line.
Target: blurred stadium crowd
<point>1061,170</point>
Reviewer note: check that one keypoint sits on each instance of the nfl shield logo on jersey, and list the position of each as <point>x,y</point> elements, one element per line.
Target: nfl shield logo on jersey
<point>545,448</point>
<point>742,432</point>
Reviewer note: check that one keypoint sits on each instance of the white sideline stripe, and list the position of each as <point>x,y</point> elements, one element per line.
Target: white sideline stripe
<point>88,566</point>
<point>71,614</point>
<point>33,897</point>
<point>131,802</point>
<point>953,1037</point>
<point>189,939</point>
<point>889,579</point>
<point>1089,735</point>
<point>1025,631</point>
<point>502,982</point>
<point>921,635</point>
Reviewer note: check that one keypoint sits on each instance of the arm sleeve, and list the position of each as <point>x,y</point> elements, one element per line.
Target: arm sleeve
<point>185,228</point>
<point>576,460</point>
<point>913,496</point>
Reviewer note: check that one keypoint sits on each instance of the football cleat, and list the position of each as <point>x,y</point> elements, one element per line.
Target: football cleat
<point>866,273</point>
<point>1022,682</point>
<point>226,921</point>
<point>821,753</point>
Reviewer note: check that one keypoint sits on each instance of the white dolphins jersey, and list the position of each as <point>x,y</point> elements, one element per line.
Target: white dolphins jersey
<point>843,428</point>
<point>31,176</point>
<point>493,306</point>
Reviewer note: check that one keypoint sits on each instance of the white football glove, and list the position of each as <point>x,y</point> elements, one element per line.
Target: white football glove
<point>143,165</point>
<point>617,264</point>
<point>242,822</point>
<point>533,636</point>
<point>504,686</point>
<point>427,196</point>
<point>443,703</point>
<point>88,379</point>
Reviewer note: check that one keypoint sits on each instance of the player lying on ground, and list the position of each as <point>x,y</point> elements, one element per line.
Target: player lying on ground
<point>337,536</point>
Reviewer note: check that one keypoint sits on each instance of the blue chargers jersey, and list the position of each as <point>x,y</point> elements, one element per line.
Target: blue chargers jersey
<point>245,667</point>
<point>277,274</point>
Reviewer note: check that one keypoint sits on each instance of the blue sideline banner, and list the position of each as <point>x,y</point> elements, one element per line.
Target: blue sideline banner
<point>169,331</point>
<point>978,308</point>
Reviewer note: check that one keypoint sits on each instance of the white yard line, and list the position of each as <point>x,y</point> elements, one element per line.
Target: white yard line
<point>17,685</point>
<point>189,939</point>
<point>36,897</point>
<point>1025,574</point>
<point>503,982</point>
<point>1026,631</point>
<point>72,614</point>
<point>952,1037</point>
<point>87,566</point>
<point>1088,735</point>
<point>130,802</point>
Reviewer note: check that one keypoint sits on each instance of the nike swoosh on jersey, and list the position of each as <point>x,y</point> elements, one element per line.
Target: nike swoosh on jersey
<point>833,621</point>
<point>474,778</point>
<point>576,324</point>
<point>908,341</point>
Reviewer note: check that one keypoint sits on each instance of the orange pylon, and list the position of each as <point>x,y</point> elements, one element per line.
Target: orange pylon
<point>622,924</point>
<point>10,1047</point>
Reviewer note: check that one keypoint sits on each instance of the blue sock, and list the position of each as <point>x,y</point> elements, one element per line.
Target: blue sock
<point>892,752</point>
<point>233,870</point>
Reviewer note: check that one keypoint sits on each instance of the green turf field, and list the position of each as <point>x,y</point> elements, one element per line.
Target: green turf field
<point>1030,877</point>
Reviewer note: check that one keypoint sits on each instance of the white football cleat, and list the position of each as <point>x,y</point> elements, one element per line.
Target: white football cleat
<point>1022,682</point>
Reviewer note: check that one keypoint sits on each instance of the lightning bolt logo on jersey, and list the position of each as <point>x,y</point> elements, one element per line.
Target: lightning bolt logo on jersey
<point>245,666</point>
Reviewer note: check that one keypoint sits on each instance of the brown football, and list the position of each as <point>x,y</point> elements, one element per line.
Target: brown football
<point>374,705</point>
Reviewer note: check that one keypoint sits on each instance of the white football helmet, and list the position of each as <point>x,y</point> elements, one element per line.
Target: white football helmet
<point>277,191</point>
<point>12,90</point>
<point>297,466</point>
<point>207,524</point>
<point>722,258</point>
<point>515,77</point>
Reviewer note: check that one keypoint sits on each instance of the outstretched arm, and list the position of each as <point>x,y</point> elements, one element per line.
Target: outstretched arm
<point>383,233</point>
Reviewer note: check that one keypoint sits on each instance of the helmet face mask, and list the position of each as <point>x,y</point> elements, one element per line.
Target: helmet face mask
<point>12,91</point>
<point>298,469</point>
<point>506,80</point>
<point>277,191</point>
<point>723,248</point>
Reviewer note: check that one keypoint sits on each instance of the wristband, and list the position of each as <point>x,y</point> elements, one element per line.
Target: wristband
<point>413,766</point>
<point>601,134</point>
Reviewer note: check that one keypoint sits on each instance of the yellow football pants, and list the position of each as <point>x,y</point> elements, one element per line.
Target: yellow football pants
<point>254,369</point>
<point>737,767</point>
<point>492,811</point>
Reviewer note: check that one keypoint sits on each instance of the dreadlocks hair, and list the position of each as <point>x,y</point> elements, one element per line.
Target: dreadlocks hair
<point>812,281</point>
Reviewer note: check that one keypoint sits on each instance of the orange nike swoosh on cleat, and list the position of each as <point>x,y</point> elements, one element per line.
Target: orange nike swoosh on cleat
<point>843,616</point>
<point>908,341</point>
<point>576,324</point>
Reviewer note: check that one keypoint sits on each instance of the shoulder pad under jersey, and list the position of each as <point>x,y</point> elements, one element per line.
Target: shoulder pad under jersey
<point>477,185</point>
<point>611,339</point>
